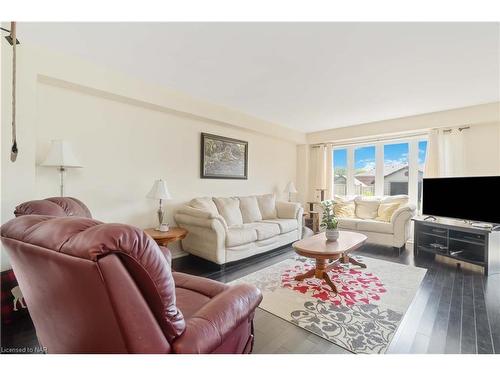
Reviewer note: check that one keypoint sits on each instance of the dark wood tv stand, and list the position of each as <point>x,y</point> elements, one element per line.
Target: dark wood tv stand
<point>458,240</point>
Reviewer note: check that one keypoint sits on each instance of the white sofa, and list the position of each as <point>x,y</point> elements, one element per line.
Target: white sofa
<point>224,230</point>
<point>384,220</point>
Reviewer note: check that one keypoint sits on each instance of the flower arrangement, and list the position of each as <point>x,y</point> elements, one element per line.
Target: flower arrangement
<point>329,221</point>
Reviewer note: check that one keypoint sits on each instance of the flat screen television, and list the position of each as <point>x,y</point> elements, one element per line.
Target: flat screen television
<point>467,198</point>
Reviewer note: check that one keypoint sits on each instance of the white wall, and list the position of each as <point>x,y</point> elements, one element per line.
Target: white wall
<point>124,148</point>
<point>126,134</point>
<point>482,145</point>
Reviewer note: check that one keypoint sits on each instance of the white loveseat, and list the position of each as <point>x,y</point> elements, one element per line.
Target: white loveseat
<point>224,230</point>
<point>384,220</point>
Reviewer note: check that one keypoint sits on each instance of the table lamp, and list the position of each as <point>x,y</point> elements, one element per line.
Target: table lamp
<point>290,189</point>
<point>160,192</point>
<point>61,156</point>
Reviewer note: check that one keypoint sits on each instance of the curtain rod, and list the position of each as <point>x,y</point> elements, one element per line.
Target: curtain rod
<point>459,129</point>
<point>9,37</point>
<point>382,139</point>
<point>368,140</point>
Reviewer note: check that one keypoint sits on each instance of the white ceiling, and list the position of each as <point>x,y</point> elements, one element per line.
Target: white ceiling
<point>306,76</point>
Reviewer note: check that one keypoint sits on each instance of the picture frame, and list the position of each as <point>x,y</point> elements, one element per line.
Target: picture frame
<point>223,157</point>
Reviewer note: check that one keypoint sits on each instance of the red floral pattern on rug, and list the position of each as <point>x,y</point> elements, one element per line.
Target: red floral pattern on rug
<point>354,285</point>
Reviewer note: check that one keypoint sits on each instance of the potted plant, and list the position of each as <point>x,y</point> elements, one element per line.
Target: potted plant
<point>329,222</point>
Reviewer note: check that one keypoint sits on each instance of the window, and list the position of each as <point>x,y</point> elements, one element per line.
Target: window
<point>340,171</point>
<point>364,172</point>
<point>396,169</point>
<point>381,168</point>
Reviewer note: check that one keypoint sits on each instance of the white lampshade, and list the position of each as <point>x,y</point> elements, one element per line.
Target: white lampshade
<point>159,191</point>
<point>61,155</point>
<point>290,188</point>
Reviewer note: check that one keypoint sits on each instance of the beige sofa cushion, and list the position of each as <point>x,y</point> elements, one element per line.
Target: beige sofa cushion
<point>375,226</point>
<point>229,208</point>
<point>286,225</point>
<point>385,211</point>
<point>249,208</point>
<point>349,223</point>
<point>366,208</point>
<point>267,205</point>
<point>240,236</point>
<point>205,204</point>
<point>265,230</point>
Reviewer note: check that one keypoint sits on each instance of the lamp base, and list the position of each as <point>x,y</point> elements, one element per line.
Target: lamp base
<point>163,228</point>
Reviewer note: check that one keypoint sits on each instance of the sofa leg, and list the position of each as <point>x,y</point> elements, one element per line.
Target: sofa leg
<point>252,334</point>
<point>222,268</point>
<point>398,250</point>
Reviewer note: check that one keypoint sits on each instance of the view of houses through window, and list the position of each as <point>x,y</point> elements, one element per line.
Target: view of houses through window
<point>340,171</point>
<point>396,169</point>
<point>389,168</point>
<point>364,170</point>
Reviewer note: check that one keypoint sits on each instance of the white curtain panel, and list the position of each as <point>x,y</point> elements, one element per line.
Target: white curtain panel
<point>454,153</point>
<point>313,171</point>
<point>318,169</point>
<point>329,172</point>
<point>445,153</point>
<point>432,157</point>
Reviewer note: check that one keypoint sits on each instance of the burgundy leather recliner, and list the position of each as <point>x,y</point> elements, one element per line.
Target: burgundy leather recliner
<point>92,287</point>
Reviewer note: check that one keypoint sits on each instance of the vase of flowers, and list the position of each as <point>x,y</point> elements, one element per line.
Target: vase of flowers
<point>329,222</point>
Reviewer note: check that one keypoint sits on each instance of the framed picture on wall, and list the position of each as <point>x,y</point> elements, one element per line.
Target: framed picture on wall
<point>223,157</point>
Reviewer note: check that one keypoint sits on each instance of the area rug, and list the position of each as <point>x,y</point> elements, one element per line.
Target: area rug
<point>361,318</point>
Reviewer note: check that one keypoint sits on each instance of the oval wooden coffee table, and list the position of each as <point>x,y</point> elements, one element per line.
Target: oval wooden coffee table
<point>329,253</point>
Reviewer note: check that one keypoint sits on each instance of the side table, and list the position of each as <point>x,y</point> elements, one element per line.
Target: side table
<point>164,238</point>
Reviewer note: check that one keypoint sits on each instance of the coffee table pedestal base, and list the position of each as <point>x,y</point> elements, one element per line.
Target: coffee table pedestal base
<point>322,268</point>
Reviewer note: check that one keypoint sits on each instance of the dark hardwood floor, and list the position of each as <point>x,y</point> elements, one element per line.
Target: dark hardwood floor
<point>454,311</point>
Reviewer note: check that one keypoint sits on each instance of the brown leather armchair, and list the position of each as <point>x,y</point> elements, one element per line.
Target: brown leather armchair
<point>92,287</point>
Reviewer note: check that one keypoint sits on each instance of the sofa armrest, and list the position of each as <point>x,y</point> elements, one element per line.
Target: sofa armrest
<point>199,218</point>
<point>401,224</point>
<point>196,212</point>
<point>202,285</point>
<point>206,237</point>
<point>214,322</point>
<point>404,213</point>
<point>287,210</point>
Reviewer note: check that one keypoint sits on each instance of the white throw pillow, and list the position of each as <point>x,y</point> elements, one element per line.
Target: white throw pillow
<point>229,208</point>
<point>267,205</point>
<point>344,209</point>
<point>205,204</point>
<point>287,210</point>
<point>250,209</point>
<point>366,208</point>
<point>345,198</point>
<point>385,211</point>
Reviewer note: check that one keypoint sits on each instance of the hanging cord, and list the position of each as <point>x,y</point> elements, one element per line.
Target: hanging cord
<point>14,150</point>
